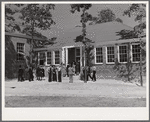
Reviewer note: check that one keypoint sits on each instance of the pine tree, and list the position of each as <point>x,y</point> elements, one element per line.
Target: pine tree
<point>85,17</point>
<point>138,10</point>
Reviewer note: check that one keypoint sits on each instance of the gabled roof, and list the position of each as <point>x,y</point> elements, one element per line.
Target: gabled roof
<point>97,33</point>
<point>23,36</point>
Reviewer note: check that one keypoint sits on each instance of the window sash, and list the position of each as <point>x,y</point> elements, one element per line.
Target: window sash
<point>123,54</point>
<point>57,57</point>
<point>49,57</point>
<point>110,54</point>
<point>136,52</point>
<point>20,49</point>
<point>99,55</point>
<point>41,62</point>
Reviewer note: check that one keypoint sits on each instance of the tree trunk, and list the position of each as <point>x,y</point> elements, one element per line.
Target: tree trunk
<point>141,79</point>
<point>128,62</point>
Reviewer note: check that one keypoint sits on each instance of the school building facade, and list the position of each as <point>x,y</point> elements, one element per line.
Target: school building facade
<point>108,47</point>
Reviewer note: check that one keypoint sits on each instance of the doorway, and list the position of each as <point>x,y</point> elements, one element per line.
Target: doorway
<point>71,55</point>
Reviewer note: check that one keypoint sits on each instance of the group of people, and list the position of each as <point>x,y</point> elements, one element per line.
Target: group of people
<point>40,73</point>
<point>90,73</point>
<point>55,73</point>
<point>26,74</point>
<point>75,65</point>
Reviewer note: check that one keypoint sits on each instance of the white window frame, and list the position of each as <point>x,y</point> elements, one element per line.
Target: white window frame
<point>55,57</point>
<point>23,53</point>
<point>40,59</point>
<point>106,55</point>
<point>119,53</point>
<point>49,58</point>
<point>95,55</point>
<point>132,53</point>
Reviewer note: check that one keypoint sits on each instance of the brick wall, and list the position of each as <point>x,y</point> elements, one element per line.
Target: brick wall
<point>106,71</point>
<point>11,63</point>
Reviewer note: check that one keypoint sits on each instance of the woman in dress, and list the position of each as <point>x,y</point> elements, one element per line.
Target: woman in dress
<point>59,74</point>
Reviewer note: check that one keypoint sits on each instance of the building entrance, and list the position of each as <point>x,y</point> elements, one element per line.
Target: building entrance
<point>71,55</point>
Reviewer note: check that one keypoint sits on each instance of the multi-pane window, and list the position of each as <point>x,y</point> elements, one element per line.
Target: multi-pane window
<point>99,55</point>
<point>77,54</point>
<point>57,57</point>
<point>49,56</point>
<point>20,51</point>
<point>42,58</point>
<point>136,53</point>
<point>123,53</point>
<point>110,54</point>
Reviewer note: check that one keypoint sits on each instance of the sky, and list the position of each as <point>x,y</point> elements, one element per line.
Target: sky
<point>65,20</point>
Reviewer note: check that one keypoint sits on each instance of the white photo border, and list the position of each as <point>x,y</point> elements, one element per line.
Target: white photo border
<point>59,114</point>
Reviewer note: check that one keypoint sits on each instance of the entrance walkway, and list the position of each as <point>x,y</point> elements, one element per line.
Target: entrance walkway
<point>102,93</point>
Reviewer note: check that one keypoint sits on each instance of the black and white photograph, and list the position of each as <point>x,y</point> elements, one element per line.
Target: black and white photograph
<point>74,58</point>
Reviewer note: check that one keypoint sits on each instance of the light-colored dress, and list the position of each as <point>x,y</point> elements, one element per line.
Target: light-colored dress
<point>71,73</point>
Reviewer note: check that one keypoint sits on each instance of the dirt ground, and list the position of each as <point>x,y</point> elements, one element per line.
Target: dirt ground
<point>102,93</point>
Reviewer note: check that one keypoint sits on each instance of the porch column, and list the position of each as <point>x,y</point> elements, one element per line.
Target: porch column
<point>46,58</point>
<point>53,58</point>
<point>66,56</point>
<point>80,56</point>
<point>63,56</point>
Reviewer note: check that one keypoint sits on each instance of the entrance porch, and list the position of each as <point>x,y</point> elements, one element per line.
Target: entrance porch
<point>72,54</point>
